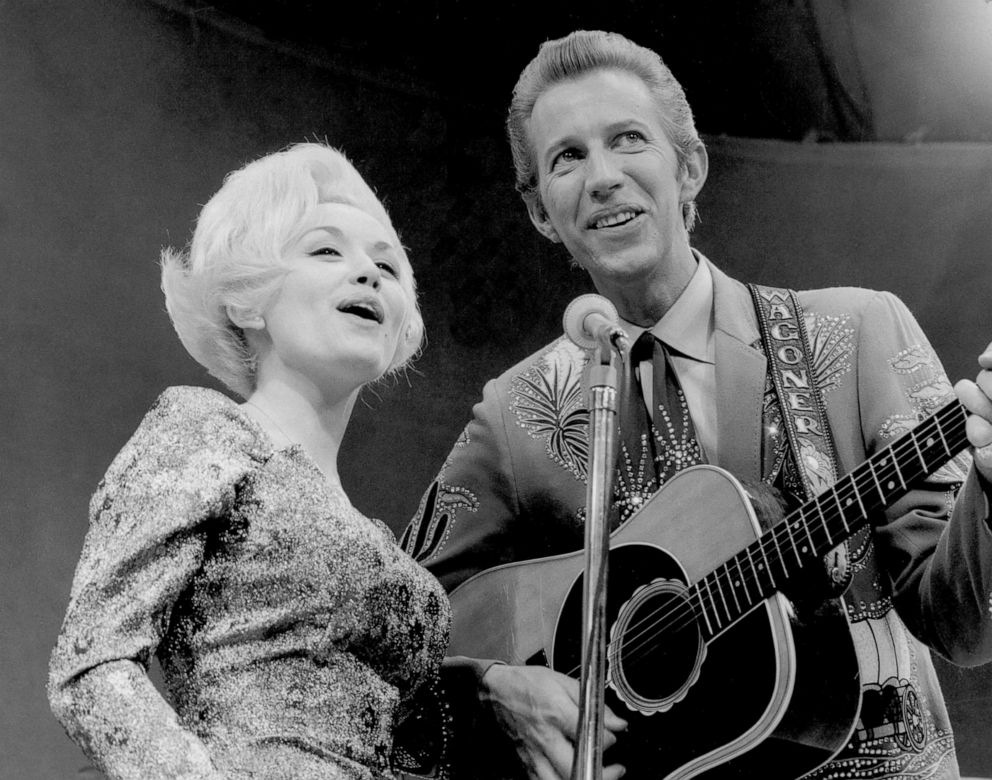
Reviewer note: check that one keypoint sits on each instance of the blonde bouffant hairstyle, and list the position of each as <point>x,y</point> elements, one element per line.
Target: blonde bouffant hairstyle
<point>235,257</point>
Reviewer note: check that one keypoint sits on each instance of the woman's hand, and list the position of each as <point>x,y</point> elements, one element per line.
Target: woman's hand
<point>539,710</point>
<point>977,399</point>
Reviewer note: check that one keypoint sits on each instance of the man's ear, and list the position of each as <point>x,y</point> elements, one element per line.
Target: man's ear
<point>244,317</point>
<point>694,175</point>
<point>540,218</point>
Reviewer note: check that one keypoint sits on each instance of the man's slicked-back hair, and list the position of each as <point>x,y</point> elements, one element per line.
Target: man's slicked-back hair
<point>576,55</point>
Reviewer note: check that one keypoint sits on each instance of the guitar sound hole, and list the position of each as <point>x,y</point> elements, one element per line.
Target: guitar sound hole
<point>655,648</point>
<point>654,665</point>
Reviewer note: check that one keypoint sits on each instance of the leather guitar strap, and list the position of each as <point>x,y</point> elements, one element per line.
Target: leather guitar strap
<point>783,333</point>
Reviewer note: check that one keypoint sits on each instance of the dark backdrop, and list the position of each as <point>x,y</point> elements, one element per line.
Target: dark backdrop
<point>117,119</point>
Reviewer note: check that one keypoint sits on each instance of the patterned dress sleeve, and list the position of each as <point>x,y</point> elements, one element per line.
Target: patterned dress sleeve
<point>937,551</point>
<point>149,522</point>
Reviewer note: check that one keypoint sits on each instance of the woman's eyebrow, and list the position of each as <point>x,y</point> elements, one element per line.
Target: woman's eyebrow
<point>333,231</point>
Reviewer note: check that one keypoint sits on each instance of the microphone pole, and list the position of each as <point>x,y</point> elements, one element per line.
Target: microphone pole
<point>591,322</point>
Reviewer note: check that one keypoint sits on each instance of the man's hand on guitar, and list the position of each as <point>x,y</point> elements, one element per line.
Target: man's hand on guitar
<point>977,398</point>
<point>539,710</point>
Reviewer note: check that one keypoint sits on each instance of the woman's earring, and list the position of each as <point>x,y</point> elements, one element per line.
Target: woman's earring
<point>254,322</point>
<point>547,228</point>
<point>245,318</point>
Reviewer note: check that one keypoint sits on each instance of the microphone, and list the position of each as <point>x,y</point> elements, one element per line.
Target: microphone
<point>591,321</point>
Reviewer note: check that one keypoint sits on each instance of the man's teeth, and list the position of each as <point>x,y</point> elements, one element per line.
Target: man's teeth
<point>615,219</point>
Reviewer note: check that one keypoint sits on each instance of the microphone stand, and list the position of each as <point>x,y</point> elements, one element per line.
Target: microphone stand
<point>602,404</point>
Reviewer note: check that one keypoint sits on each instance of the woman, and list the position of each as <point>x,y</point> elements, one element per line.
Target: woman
<point>291,630</point>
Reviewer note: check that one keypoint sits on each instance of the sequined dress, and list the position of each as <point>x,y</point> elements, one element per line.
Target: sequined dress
<point>290,628</point>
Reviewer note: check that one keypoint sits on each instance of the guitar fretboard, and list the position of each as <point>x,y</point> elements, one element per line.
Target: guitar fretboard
<point>734,588</point>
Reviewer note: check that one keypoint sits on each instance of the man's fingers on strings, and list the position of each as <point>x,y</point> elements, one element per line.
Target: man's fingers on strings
<point>975,399</point>
<point>984,382</point>
<point>556,763</point>
<point>540,769</point>
<point>613,772</point>
<point>613,722</point>
<point>979,432</point>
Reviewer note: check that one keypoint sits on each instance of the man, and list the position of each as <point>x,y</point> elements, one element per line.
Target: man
<point>609,163</point>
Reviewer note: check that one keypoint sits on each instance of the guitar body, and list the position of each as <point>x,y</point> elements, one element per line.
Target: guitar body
<point>774,695</point>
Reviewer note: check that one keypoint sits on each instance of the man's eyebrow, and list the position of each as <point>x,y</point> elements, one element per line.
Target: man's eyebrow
<point>628,122</point>
<point>568,138</point>
<point>563,141</point>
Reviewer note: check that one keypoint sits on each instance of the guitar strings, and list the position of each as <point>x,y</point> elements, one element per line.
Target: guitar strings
<point>775,535</point>
<point>680,612</point>
<point>640,636</point>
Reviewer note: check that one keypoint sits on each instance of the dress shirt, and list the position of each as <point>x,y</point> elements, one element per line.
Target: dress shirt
<point>686,330</point>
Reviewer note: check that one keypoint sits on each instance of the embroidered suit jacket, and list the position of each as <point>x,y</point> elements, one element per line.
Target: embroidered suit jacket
<point>514,488</point>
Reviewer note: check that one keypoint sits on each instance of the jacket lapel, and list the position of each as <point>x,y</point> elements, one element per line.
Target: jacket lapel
<point>740,379</point>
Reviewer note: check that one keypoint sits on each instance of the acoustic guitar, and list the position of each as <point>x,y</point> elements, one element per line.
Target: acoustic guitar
<point>717,671</point>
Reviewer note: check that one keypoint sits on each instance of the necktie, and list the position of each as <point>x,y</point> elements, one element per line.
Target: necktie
<point>674,433</point>
<point>650,452</point>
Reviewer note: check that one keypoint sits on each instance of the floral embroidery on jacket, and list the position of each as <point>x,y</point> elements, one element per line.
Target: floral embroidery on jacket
<point>925,386</point>
<point>438,508</point>
<point>832,343</point>
<point>548,403</point>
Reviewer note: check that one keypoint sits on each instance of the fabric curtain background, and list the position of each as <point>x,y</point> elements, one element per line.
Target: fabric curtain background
<point>118,119</point>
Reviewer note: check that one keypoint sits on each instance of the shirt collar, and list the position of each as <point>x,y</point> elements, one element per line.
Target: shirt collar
<point>687,327</point>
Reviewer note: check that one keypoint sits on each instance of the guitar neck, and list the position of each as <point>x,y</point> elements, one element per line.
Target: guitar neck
<point>732,589</point>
